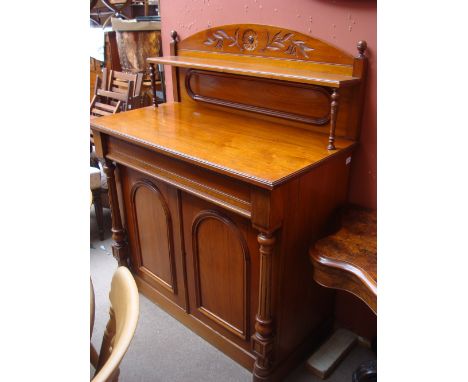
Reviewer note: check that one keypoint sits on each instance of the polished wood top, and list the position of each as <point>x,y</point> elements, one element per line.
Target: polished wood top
<point>254,150</point>
<point>352,250</point>
<point>256,69</point>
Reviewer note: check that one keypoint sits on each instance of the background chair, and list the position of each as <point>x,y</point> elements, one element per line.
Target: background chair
<point>123,312</point>
<point>97,191</point>
<point>107,102</point>
<point>120,82</point>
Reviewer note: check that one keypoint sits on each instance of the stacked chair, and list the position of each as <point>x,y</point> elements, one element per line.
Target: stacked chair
<point>115,92</point>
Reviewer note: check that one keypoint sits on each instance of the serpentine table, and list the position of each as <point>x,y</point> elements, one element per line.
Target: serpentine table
<point>217,196</point>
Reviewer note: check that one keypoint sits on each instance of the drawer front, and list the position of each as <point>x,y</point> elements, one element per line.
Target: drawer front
<point>215,188</point>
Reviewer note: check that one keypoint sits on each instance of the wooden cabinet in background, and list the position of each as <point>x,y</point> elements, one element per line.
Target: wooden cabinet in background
<point>223,191</point>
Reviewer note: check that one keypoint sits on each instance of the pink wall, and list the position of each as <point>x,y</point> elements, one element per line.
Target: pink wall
<point>340,22</point>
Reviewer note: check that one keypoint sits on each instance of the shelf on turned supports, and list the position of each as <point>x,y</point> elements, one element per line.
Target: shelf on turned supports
<point>254,68</point>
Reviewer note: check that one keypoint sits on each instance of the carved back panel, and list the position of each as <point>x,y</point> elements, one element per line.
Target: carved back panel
<point>300,105</point>
<point>265,41</point>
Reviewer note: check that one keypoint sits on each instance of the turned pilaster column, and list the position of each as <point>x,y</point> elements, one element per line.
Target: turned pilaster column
<point>153,84</point>
<point>262,340</point>
<point>333,117</point>
<point>119,245</point>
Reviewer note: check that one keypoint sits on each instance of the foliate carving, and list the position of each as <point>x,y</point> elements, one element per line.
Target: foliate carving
<point>219,37</point>
<point>277,42</point>
<point>287,44</point>
<point>297,47</point>
<point>280,41</point>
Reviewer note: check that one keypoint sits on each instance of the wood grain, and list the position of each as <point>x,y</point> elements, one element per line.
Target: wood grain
<point>246,189</point>
<point>297,102</point>
<point>156,245</point>
<point>264,41</point>
<point>225,299</point>
<point>119,242</point>
<point>154,236</point>
<point>253,150</point>
<point>348,259</point>
<point>254,69</point>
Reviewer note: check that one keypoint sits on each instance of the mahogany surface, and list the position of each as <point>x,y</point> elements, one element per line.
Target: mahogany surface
<point>221,194</point>
<point>256,69</point>
<point>266,41</point>
<point>260,152</point>
<point>348,259</point>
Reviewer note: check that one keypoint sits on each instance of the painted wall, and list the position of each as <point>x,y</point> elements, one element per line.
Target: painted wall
<point>340,22</point>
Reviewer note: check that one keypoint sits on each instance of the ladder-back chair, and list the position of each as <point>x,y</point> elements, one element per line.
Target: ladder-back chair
<point>119,82</point>
<point>106,102</point>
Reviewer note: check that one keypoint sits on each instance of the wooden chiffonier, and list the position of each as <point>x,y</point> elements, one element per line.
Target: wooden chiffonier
<point>220,194</point>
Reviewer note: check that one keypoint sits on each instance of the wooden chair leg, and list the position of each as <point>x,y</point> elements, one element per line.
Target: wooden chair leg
<point>98,210</point>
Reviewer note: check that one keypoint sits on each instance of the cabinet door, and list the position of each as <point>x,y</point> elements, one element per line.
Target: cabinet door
<point>154,233</point>
<point>222,269</point>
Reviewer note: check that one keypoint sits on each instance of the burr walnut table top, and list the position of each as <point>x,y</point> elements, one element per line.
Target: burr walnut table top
<point>255,150</point>
<point>348,259</point>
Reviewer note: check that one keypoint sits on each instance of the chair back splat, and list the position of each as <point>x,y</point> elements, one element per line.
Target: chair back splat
<point>123,312</point>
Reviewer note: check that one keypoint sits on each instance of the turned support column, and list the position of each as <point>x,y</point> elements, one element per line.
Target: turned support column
<point>119,245</point>
<point>153,84</point>
<point>174,70</point>
<point>163,82</point>
<point>333,116</point>
<point>263,339</point>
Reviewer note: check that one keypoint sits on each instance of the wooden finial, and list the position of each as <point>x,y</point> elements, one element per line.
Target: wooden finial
<point>175,77</point>
<point>173,43</point>
<point>361,47</point>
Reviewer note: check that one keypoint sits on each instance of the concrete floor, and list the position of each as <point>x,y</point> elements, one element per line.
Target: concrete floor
<point>165,350</point>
